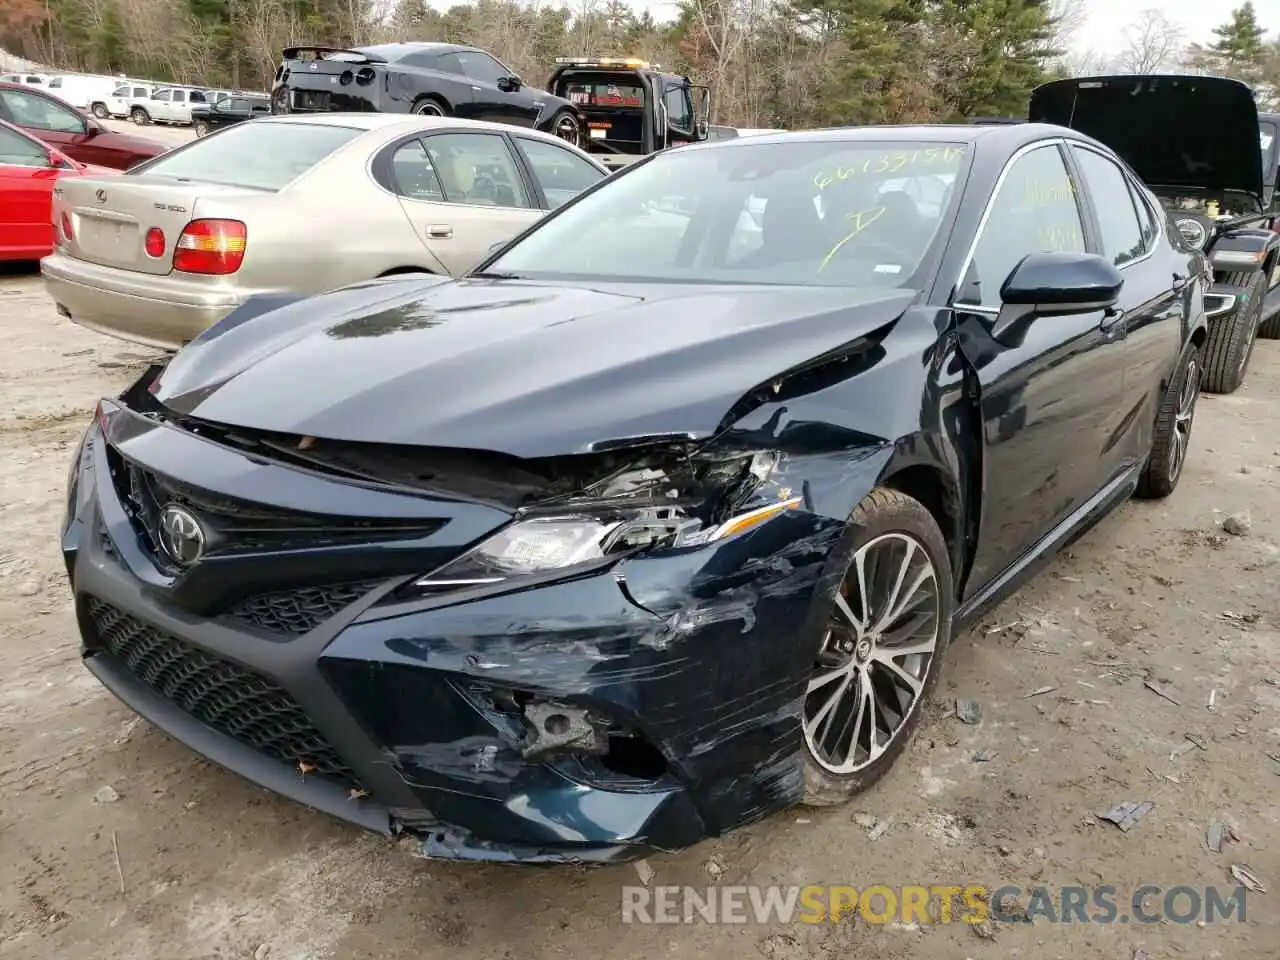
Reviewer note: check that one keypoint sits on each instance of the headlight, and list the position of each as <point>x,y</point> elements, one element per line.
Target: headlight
<point>633,511</point>
<point>1193,232</point>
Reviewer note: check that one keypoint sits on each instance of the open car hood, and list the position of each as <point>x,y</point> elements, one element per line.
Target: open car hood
<point>1179,132</point>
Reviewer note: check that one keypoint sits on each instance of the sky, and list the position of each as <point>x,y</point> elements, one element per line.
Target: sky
<point>1103,28</point>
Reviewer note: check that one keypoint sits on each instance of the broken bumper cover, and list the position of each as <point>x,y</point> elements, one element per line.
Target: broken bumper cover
<point>398,716</point>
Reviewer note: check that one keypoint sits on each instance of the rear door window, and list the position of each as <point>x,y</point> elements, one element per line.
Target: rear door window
<point>139,92</point>
<point>179,96</point>
<point>413,175</point>
<point>263,156</point>
<point>476,168</point>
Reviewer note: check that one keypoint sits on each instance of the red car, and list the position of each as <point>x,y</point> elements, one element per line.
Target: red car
<point>29,170</point>
<point>78,136</point>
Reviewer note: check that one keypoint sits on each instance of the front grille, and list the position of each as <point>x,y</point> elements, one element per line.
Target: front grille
<point>295,612</point>
<point>232,525</point>
<point>231,699</point>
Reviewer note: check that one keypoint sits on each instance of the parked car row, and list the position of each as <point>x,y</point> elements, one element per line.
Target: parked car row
<point>81,137</point>
<point>655,519</point>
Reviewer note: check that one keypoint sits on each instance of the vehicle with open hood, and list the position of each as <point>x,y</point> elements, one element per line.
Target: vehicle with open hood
<point>661,519</point>
<point>1195,142</point>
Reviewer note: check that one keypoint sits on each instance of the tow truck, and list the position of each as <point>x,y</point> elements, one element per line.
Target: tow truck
<point>631,107</point>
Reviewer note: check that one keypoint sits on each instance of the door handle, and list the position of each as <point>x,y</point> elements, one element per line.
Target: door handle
<point>475,88</point>
<point>439,231</point>
<point>1179,282</point>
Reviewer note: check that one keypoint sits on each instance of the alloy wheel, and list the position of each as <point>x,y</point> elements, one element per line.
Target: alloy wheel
<point>1182,417</point>
<point>429,108</point>
<point>875,657</point>
<point>567,129</point>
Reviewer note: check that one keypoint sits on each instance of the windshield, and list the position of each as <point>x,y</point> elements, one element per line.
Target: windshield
<point>825,213</point>
<point>263,156</point>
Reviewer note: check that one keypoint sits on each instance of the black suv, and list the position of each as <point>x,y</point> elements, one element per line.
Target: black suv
<point>435,79</point>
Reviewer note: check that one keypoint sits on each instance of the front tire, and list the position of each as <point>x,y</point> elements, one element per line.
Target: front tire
<point>1230,343</point>
<point>100,111</point>
<point>1173,432</point>
<point>881,653</point>
<point>139,116</point>
<point>430,107</point>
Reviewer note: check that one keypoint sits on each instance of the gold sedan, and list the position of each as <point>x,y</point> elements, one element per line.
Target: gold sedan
<point>296,204</point>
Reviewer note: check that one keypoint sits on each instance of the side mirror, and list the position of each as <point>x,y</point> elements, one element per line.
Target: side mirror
<point>1054,284</point>
<point>510,84</point>
<point>58,162</point>
<point>92,129</point>
<point>702,111</point>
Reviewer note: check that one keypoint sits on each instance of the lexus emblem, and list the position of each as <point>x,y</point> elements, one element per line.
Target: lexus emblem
<point>314,66</point>
<point>101,195</point>
<point>181,535</point>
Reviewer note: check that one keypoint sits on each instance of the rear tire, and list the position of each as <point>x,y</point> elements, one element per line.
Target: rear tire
<point>565,126</point>
<point>430,107</point>
<point>860,676</point>
<point>139,116</point>
<point>100,111</point>
<point>1230,343</point>
<point>1173,432</point>
<point>201,128</point>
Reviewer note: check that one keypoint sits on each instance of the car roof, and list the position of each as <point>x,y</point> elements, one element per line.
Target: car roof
<point>392,125</point>
<point>392,52</point>
<point>1007,136</point>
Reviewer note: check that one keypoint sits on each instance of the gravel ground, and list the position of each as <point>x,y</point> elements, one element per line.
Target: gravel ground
<point>209,866</point>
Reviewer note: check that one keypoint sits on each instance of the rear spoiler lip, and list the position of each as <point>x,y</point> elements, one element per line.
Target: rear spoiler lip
<point>291,53</point>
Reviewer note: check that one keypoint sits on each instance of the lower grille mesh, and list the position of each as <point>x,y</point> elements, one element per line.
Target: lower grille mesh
<point>244,705</point>
<point>300,611</point>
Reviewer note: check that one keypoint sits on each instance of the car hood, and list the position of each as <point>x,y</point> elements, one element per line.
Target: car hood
<point>1180,132</point>
<point>126,141</point>
<point>518,367</point>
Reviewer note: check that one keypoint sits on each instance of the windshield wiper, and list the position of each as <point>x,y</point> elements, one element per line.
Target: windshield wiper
<point>494,275</point>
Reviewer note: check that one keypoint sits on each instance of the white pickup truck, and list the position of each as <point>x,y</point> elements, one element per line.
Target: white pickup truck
<point>121,99</point>
<point>166,105</point>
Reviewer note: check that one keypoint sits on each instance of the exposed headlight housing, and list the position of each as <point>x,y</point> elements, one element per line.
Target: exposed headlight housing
<point>633,511</point>
<point>1193,232</point>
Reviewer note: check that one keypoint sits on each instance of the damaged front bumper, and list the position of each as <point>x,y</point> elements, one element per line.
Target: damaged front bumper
<point>642,704</point>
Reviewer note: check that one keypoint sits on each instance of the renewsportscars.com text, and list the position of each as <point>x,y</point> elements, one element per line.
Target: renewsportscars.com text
<point>937,903</point>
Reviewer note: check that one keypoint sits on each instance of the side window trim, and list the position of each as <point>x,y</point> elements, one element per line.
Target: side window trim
<point>1148,249</point>
<point>1059,144</point>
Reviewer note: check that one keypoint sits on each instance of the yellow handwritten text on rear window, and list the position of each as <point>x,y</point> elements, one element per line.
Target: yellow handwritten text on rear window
<point>1041,193</point>
<point>886,164</point>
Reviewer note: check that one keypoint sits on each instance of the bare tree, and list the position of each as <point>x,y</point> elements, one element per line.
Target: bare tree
<point>1152,43</point>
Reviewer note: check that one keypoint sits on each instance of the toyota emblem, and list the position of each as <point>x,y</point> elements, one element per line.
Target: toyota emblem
<point>181,535</point>
<point>101,195</point>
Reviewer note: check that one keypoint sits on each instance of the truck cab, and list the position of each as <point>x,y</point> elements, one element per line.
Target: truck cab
<point>631,108</point>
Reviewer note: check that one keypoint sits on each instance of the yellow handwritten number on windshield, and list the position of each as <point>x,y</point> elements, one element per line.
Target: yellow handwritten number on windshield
<point>888,163</point>
<point>860,220</point>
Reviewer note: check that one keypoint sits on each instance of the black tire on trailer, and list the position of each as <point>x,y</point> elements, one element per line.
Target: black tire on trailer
<point>1230,343</point>
<point>894,603</point>
<point>1173,431</point>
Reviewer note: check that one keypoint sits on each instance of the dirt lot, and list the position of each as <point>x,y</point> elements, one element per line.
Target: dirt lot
<point>212,867</point>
